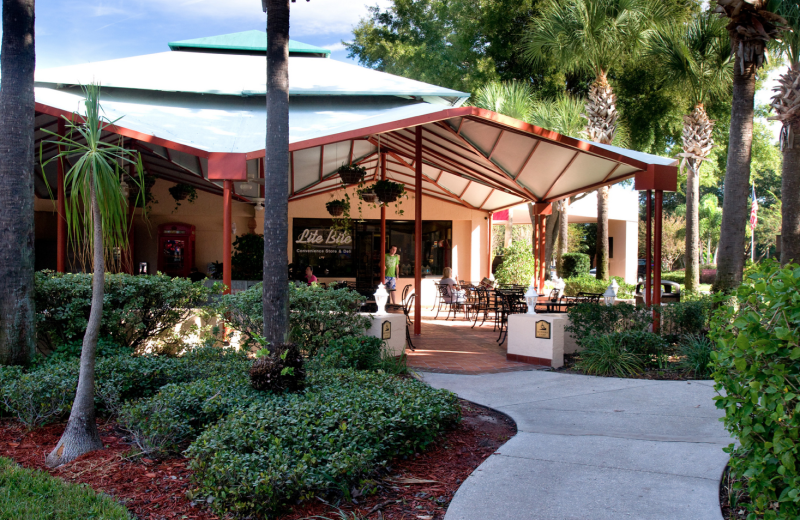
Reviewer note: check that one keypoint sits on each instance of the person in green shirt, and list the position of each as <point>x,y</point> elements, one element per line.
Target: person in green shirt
<point>392,262</point>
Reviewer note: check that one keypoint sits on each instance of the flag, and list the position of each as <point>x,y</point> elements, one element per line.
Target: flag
<point>754,211</point>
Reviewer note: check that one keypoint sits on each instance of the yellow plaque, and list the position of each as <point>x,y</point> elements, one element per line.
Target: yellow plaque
<point>386,330</point>
<point>543,329</point>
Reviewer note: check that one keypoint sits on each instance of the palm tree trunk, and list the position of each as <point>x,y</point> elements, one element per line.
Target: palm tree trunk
<point>730,264</point>
<point>602,234</point>
<point>17,110</point>
<point>692,256</point>
<point>509,236</point>
<point>81,434</point>
<point>553,226</point>
<point>276,175</point>
<point>790,206</point>
<point>563,233</point>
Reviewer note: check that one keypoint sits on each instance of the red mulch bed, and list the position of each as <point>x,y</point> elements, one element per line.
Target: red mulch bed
<point>414,488</point>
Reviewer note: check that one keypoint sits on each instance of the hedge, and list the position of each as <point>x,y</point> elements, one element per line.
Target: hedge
<point>589,283</point>
<point>574,264</point>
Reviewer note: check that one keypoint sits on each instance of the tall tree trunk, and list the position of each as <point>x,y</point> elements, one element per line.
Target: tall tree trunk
<point>509,237</point>
<point>692,255</point>
<point>17,110</point>
<point>790,206</point>
<point>730,265</point>
<point>551,237</point>
<point>81,435</point>
<point>276,175</point>
<point>563,234</point>
<point>602,234</point>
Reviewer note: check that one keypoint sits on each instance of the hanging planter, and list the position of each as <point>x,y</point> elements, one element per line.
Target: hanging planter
<point>388,191</point>
<point>182,192</point>
<point>351,173</point>
<point>367,195</point>
<point>336,207</point>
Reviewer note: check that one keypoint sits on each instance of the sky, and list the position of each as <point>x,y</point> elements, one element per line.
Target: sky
<point>82,31</point>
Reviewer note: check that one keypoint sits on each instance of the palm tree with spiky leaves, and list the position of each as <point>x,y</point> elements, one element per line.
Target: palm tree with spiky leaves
<point>694,58</point>
<point>786,104</point>
<point>510,98</point>
<point>595,36</point>
<point>96,212</point>
<point>752,24</point>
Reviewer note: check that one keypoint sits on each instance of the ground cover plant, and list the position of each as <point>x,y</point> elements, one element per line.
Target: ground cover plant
<point>31,494</point>
<point>757,372</point>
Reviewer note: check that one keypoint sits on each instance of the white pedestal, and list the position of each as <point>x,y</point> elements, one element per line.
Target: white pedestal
<point>396,329</point>
<point>524,345</point>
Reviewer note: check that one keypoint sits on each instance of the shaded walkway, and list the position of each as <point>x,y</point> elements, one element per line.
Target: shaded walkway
<point>592,447</point>
<point>453,347</point>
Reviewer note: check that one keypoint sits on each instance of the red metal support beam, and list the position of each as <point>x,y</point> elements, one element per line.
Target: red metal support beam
<point>491,243</point>
<point>418,234</point>
<point>383,225</point>
<point>61,222</point>
<point>648,240</point>
<point>657,260</point>
<point>226,234</point>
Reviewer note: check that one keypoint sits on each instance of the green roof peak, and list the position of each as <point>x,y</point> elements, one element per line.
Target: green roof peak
<point>245,42</point>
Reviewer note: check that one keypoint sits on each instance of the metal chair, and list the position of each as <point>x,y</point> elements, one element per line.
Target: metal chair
<point>449,300</point>
<point>408,304</point>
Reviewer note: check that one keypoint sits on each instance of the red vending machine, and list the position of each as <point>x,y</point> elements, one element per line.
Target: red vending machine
<point>175,249</point>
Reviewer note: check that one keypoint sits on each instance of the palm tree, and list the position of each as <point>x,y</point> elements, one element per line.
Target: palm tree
<point>786,103</point>
<point>752,25</point>
<point>275,296</point>
<point>595,36</point>
<point>694,58</point>
<point>17,110</point>
<point>97,212</point>
<point>510,98</point>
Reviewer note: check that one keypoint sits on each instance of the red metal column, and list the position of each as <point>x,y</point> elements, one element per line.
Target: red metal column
<point>542,258</point>
<point>61,220</point>
<point>491,243</point>
<point>657,261</point>
<point>227,194</point>
<point>648,240</point>
<point>418,231</point>
<point>383,225</point>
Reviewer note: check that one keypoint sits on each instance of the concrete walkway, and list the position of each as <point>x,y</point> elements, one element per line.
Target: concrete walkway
<point>594,448</point>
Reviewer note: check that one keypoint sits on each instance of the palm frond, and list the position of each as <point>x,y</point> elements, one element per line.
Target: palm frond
<point>510,98</point>
<point>563,115</point>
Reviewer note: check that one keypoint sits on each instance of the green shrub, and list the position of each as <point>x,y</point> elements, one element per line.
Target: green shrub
<point>607,355</point>
<point>695,351</point>
<point>302,445</point>
<point>588,283</point>
<point>757,374</point>
<point>648,346</point>
<point>247,261</point>
<point>689,316</point>
<point>519,264</point>
<point>316,315</point>
<point>31,494</point>
<point>359,352</point>
<point>136,308</point>
<point>591,320</point>
<point>106,347</point>
<point>675,276</point>
<point>279,368</point>
<point>41,397</point>
<point>574,264</point>
<point>174,416</point>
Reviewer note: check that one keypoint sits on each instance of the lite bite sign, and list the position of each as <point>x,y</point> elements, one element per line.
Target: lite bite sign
<point>322,236</point>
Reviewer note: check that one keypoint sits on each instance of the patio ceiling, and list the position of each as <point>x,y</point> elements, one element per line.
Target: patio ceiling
<point>470,156</point>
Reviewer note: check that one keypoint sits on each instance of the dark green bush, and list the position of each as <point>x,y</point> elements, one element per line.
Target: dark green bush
<point>675,276</point>
<point>359,352</point>
<point>648,346</point>
<point>300,445</point>
<point>41,397</point>
<point>757,374</point>
<point>519,264</point>
<point>591,320</point>
<point>588,283</point>
<point>136,308</point>
<point>317,316</point>
<point>174,416</point>
<point>695,351</point>
<point>689,316</point>
<point>574,264</point>
<point>606,355</point>
<point>247,260</point>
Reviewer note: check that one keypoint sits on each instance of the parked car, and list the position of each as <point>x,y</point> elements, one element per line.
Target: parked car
<point>640,272</point>
<point>593,271</point>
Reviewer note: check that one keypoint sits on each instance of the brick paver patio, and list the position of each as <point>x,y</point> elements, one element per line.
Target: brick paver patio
<point>453,347</point>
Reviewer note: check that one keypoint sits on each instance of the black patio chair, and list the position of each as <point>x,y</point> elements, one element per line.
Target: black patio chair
<point>486,303</point>
<point>453,302</point>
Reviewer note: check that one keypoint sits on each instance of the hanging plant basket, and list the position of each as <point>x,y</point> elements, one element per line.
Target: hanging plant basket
<point>388,191</point>
<point>351,174</point>
<point>368,196</point>
<point>336,207</point>
<point>181,192</point>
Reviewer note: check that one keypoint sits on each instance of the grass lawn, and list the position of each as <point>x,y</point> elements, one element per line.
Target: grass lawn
<point>34,495</point>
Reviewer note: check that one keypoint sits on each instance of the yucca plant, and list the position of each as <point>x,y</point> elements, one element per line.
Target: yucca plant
<point>695,351</point>
<point>696,59</point>
<point>96,212</point>
<point>606,355</point>
<point>596,36</point>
